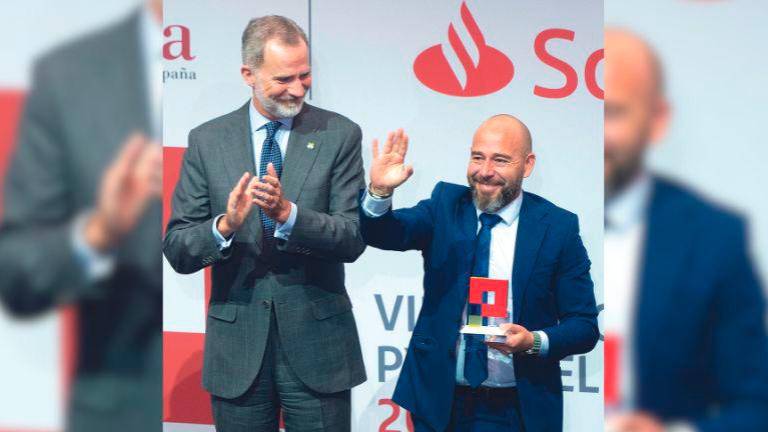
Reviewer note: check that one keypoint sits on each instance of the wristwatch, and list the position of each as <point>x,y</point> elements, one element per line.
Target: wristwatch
<point>536,348</point>
<point>375,195</point>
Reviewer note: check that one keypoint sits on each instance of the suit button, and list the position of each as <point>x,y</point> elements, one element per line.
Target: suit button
<point>266,304</point>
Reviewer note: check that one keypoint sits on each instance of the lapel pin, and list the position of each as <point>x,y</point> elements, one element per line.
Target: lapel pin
<point>310,145</point>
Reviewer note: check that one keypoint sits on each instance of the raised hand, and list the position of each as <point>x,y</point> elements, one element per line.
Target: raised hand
<point>131,181</point>
<point>388,169</point>
<point>239,205</point>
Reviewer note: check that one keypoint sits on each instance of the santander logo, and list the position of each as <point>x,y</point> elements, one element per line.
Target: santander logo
<point>467,66</point>
<point>470,68</point>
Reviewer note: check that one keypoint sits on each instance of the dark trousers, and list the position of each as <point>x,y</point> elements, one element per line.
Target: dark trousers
<point>481,410</point>
<point>278,388</point>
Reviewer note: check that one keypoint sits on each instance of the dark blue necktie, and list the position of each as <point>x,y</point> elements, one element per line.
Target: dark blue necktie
<point>270,152</point>
<point>476,351</point>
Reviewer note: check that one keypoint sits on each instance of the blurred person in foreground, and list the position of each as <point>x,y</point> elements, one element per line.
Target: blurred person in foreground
<point>491,229</point>
<point>267,197</point>
<point>686,346</point>
<point>82,222</point>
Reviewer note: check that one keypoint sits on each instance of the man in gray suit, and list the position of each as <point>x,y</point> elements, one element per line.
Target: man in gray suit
<point>280,331</point>
<point>82,217</point>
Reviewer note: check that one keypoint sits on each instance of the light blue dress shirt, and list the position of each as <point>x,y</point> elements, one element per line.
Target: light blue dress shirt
<point>258,135</point>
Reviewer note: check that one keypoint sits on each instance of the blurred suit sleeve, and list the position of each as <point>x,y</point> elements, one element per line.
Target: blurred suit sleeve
<point>189,243</point>
<point>38,261</point>
<point>334,235</point>
<point>740,343</point>
<point>577,331</point>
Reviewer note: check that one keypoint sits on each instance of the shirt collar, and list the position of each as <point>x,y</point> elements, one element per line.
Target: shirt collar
<point>258,121</point>
<point>509,212</point>
<point>628,207</point>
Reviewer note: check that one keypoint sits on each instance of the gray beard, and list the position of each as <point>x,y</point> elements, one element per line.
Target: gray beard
<point>485,205</point>
<point>279,109</point>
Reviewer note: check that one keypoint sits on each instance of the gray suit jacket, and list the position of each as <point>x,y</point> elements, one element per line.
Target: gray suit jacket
<point>86,97</point>
<point>302,278</point>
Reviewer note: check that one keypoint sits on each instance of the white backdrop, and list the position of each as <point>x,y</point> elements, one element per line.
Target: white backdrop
<point>362,58</point>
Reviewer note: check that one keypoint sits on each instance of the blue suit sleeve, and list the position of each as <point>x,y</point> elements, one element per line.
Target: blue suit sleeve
<point>577,331</point>
<point>402,229</point>
<point>740,343</point>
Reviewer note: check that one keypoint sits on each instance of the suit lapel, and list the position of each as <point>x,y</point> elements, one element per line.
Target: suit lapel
<point>667,242</point>
<point>467,221</point>
<point>128,108</point>
<point>135,95</point>
<point>530,233</point>
<point>304,144</point>
<point>238,155</point>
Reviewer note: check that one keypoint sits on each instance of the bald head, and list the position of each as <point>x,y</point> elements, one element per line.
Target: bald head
<point>632,63</point>
<point>501,157</point>
<point>508,129</point>
<point>636,111</point>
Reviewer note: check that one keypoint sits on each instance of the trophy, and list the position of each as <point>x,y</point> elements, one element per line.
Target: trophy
<point>492,297</point>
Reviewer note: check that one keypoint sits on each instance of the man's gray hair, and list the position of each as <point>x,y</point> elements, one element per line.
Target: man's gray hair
<point>263,29</point>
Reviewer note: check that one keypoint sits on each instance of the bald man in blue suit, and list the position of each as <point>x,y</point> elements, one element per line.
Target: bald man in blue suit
<point>460,382</point>
<point>691,311</point>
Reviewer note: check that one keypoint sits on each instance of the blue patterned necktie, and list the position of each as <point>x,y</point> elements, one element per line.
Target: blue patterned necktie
<point>270,152</point>
<point>476,351</point>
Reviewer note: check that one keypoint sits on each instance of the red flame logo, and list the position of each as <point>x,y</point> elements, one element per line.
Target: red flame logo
<point>457,72</point>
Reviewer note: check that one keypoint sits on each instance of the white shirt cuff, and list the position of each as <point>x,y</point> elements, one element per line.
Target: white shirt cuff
<point>376,207</point>
<point>283,231</point>
<point>679,427</point>
<point>97,265</point>
<point>220,240</point>
<point>544,350</point>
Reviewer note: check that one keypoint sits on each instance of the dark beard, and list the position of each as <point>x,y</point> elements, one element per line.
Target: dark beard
<point>626,170</point>
<point>491,205</point>
<point>622,176</point>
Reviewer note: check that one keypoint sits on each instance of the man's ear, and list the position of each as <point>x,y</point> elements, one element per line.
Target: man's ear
<point>660,120</point>
<point>530,161</point>
<point>249,75</point>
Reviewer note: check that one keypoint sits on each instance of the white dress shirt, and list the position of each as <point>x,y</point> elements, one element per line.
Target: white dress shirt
<point>623,237</point>
<point>501,372</point>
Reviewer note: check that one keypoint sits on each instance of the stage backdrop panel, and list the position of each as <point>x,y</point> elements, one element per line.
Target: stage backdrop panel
<point>376,63</point>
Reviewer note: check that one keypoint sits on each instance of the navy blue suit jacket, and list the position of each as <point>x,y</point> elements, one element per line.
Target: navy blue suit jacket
<point>552,291</point>
<point>701,348</point>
